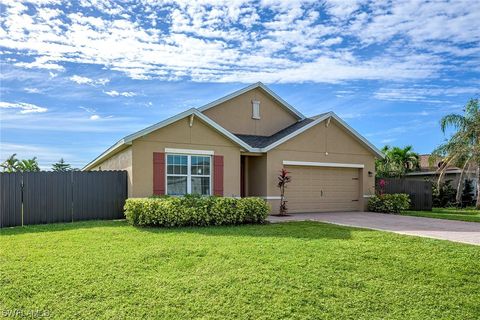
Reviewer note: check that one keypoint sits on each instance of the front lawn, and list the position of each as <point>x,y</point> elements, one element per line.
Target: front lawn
<point>469,214</point>
<point>296,270</point>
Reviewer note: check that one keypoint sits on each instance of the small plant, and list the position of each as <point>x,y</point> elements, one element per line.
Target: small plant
<point>389,203</point>
<point>444,195</point>
<point>381,186</point>
<point>283,179</point>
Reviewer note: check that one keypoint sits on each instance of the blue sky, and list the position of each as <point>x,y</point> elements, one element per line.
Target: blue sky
<point>76,78</point>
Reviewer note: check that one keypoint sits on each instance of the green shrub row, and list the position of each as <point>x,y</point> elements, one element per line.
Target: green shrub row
<point>195,211</point>
<point>389,203</point>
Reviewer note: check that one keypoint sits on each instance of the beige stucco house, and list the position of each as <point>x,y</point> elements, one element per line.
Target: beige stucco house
<point>236,146</point>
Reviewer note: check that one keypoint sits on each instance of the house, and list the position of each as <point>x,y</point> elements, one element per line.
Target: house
<point>235,146</point>
<point>431,172</point>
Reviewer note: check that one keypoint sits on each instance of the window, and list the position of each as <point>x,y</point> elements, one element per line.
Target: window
<point>188,174</point>
<point>255,109</point>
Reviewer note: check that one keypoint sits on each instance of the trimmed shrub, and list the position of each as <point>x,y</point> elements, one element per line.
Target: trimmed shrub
<point>194,210</point>
<point>389,203</point>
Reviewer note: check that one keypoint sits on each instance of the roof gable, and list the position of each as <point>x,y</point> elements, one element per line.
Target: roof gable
<point>127,140</point>
<point>265,144</point>
<point>262,87</point>
<point>247,142</point>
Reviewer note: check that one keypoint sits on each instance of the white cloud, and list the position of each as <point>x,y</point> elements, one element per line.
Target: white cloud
<point>71,122</point>
<point>87,109</point>
<point>23,107</point>
<point>425,94</point>
<point>114,93</point>
<point>31,90</point>
<point>85,80</point>
<point>219,39</point>
<point>332,41</point>
<point>94,117</point>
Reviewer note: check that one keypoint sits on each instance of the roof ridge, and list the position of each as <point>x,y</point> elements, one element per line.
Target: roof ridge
<point>260,85</point>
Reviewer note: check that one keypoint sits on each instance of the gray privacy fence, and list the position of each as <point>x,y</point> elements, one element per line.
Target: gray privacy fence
<point>420,192</point>
<point>49,197</point>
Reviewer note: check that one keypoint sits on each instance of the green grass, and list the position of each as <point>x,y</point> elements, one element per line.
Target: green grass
<point>469,214</point>
<point>296,270</point>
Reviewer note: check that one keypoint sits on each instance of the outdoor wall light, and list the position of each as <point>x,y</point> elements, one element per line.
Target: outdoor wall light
<point>370,173</point>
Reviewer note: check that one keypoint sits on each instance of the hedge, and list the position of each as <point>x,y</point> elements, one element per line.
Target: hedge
<point>389,203</point>
<point>195,211</point>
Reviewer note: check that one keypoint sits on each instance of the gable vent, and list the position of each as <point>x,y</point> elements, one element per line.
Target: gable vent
<point>255,109</point>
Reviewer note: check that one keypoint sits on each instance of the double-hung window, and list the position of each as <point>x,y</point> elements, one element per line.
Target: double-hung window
<point>188,174</point>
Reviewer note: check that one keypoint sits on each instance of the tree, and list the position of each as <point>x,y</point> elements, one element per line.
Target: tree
<point>463,146</point>
<point>10,164</point>
<point>397,162</point>
<point>467,193</point>
<point>28,165</point>
<point>283,179</point>
<point>61,165</point>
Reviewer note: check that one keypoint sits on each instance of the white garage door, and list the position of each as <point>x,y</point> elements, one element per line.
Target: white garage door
<point>316,189</point>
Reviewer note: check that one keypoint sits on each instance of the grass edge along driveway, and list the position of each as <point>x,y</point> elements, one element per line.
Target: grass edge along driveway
<point>469,214</point>
<point>294,270</point>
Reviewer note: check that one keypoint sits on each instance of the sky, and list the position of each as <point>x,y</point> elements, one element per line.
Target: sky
<point>77,76</point>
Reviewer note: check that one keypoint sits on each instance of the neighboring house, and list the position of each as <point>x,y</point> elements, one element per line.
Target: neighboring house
<point>430,172</point>
<point>236,146</point>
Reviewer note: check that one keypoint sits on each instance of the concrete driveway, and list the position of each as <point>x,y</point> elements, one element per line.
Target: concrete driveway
<point>458,231</point>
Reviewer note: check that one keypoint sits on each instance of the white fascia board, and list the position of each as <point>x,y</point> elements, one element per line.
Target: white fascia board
<point>227,97</point>
<point>224,131</point>
<point>189,151</point>
<point>295,133</point>
<point>285,104</point>
<point>359,136</point>
<point>324,164</point>
<point>185,114</point>
<point>158,125</point>
<point>377,152</point>
<point>281,101</point>
<point>128,139</point>
<point>104,155</point>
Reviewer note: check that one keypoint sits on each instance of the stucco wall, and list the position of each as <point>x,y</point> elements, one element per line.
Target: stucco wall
<point>119,161</point>
<point>181,136</point>
<point>313,145</point>
<point>257,175</point>
<point>236,114</point>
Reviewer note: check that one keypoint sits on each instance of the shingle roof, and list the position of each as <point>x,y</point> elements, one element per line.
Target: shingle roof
<point>263,141</point>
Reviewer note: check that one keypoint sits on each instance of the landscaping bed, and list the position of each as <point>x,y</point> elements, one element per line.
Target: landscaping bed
<point>297,270</point>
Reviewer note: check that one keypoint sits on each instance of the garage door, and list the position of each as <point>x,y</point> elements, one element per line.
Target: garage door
<point>315,189</point>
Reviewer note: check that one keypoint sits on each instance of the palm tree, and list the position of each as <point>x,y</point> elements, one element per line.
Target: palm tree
<point>29,165</point>
<point>405,158</point>
<point>11,164</point>
<point>397,161</point>
<point>463,147</point>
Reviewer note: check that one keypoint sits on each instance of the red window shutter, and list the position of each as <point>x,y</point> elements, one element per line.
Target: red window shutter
<point>158,173</point>
<point>218,175</point>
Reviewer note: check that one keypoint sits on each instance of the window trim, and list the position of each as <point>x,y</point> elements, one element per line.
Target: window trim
<point>189,172</point>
